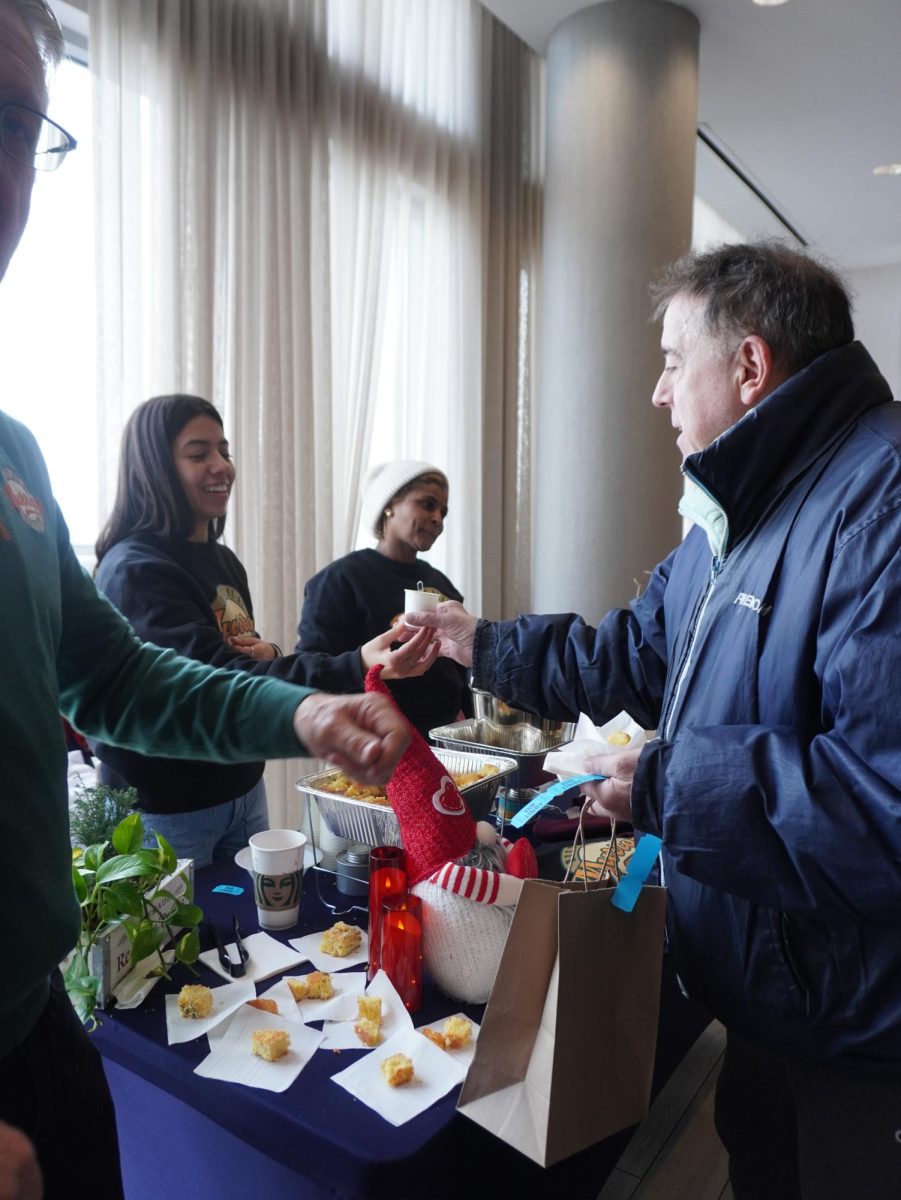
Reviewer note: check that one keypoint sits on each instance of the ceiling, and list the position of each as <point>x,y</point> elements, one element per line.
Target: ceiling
<point>805,99</point>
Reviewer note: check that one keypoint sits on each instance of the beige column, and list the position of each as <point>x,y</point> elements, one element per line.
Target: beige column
<point>622,111</point>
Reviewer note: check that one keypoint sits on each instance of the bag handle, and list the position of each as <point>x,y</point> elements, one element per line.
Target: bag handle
<point>579,842</point>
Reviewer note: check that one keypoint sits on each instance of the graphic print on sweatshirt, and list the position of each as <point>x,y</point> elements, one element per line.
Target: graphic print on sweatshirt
<point>231,615</point>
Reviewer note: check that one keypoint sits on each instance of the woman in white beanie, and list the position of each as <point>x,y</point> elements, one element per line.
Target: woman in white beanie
<point>404,505</point>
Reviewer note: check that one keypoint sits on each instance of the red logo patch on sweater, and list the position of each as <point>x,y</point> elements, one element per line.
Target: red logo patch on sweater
<point>29,509</point>
<point>447,799</point>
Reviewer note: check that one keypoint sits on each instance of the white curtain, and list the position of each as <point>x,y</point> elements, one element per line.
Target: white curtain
<point>324,216</point>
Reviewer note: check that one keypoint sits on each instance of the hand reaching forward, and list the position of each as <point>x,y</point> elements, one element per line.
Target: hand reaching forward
<point>20,1175</point>
<point>363,735</point>
<point>613,797</point>
<point>413,658</point>
<point>454,626</point>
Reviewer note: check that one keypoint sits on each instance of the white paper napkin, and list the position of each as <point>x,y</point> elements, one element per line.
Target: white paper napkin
<point>341,1007</point>
<point>231,1058</point>
<point>592,739</point>
<point>308,947</point>
<point>225,1001</point>
<point>339,1035</point>
<point>462,1057</point>
<point>268,957</point>
<point>435,1072</point>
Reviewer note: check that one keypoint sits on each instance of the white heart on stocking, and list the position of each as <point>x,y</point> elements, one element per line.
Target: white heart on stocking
<point>447,799</point>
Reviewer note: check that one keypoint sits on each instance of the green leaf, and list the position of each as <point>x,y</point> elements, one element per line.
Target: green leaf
<point>187,948</point>
<point>126,898</point>
<point>81,888</point>
<point>127,866</point>
<point>76,970</point>
<point>93,855</point>
<point>128,836</point>
<point>168,857</point>
<point>145,939</point>
<point>84,992</point>
<point>186,914</point>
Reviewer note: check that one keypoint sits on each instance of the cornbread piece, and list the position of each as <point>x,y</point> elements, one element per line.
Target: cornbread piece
<point>619,738</point>
<point>195,1000</point>
<point>315,986</point>
<point>320,985</point>
<point>341,940</point>
<point>265,1005</point>
<point>270,1044</point>
<point>434,1036</point>
<point>397,1070</point>
<point>457,1032</point>
<point>370,1007</point>
<point>369,1032</point>
<point>300,988</point>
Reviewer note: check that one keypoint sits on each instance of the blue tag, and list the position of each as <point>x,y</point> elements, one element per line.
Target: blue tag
<point>626,891</point>
<point>229,889</point>
<point>543,799</point>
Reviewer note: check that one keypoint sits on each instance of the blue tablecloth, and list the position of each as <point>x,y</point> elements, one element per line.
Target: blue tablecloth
<point>315,1130</point>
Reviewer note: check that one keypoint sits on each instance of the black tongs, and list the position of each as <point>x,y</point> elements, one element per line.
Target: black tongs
<point>235,969</point>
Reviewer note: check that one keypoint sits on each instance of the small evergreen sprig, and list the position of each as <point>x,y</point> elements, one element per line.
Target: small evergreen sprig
<point>97,810</point>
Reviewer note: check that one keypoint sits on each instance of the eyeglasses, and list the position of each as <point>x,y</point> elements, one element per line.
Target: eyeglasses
<point>33,139</point>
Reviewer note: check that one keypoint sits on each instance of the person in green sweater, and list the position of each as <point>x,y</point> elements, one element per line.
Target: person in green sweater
<point>69,651</point>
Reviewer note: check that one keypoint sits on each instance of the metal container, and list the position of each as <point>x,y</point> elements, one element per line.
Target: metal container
<point>526,744</point>
<point>377,824</point>
<point>352,871</point>
<point>498,715</point>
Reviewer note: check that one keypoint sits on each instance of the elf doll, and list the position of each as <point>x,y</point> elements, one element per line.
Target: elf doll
<point>468,877</point>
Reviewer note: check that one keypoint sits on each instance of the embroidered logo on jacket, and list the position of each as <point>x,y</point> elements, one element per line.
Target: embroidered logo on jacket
<point>746,600</point>
<point>29,509</point>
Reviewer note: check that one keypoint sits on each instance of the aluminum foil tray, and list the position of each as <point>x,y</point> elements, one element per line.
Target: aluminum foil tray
<point>376,824</point>
<point>519,740</point>
<point>525,744</point>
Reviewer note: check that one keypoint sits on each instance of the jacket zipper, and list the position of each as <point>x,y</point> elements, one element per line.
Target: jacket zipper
<point>716,566</point>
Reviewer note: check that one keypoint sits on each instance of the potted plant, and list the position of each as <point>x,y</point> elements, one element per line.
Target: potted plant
<point>133,890</point>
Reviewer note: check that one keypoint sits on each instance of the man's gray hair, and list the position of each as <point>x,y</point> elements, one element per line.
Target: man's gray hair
<point>43,27</point>
<point>799,306</point>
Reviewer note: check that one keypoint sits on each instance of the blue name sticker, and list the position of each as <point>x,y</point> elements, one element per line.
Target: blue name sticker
<point>626,891</point>
<point>543,799</point>
<point>229,889</point>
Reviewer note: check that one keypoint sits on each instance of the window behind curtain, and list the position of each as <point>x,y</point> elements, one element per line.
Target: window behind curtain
<point>47,307</point>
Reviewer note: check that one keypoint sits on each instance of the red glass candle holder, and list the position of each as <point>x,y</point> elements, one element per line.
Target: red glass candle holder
<point>401,953</point>
<point>387,877</point>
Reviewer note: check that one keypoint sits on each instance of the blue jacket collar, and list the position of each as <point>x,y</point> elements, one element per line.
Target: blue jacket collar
<point>750,465</point>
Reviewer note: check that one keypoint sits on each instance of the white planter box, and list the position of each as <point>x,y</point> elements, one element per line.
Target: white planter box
<point>111,957</point>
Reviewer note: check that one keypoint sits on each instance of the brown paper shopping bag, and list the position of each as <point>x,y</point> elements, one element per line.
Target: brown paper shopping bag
<point>566,1047</point>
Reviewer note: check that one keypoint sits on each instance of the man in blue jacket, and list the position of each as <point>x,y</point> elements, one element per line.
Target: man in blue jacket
<point>766,652</point>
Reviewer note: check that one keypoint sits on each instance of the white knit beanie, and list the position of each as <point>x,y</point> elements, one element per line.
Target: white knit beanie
<point>382,482</point>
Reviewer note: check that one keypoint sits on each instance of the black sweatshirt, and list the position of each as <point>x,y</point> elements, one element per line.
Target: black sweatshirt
<point>190,597</point>
<point>359,596</point>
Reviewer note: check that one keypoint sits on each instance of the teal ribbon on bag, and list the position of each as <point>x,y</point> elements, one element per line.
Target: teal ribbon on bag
<point>625,894</point>
<point>543,799</point>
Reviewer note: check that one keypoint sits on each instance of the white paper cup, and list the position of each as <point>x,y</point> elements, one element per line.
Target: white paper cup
<point>417,601</point>
<point>276,859</point>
